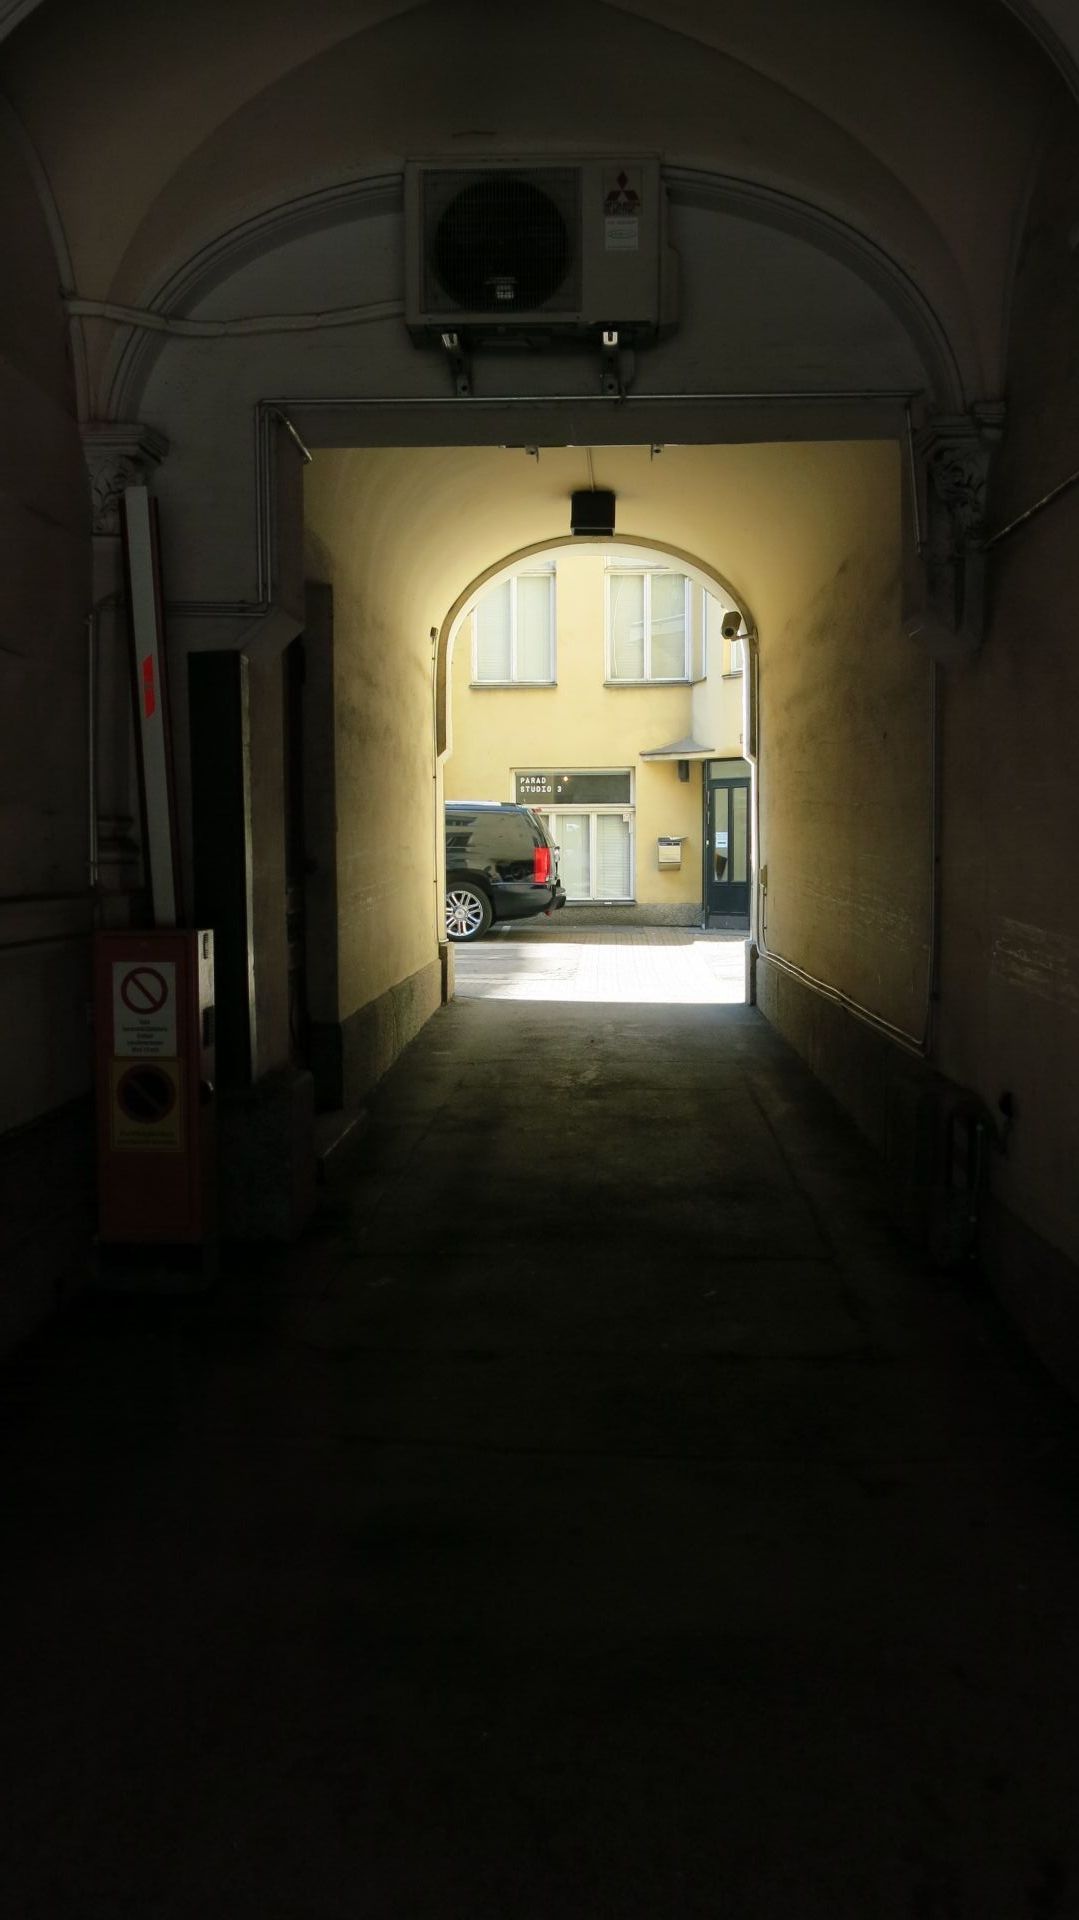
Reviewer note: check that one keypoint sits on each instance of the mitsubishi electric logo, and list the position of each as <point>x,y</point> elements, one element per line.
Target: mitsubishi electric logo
<point>622,209</point>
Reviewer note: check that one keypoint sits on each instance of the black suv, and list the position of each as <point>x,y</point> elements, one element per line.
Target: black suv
<point>501,864</point>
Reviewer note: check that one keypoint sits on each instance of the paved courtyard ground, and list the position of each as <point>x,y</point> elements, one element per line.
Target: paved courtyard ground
<point>596,1517</point>
<point>647,966</point>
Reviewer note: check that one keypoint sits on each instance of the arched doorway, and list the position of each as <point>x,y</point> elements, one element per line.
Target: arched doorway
<point>608,683</point>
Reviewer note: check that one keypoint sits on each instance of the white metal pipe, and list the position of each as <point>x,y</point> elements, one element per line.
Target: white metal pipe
<point>91,747</point>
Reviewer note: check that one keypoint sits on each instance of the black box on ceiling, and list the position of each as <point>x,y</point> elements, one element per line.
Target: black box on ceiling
<point>592,511</point>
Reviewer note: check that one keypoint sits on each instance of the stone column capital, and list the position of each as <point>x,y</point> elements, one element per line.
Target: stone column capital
<point>957,451</point>
<point>953,456</point>
<point>118,454</point>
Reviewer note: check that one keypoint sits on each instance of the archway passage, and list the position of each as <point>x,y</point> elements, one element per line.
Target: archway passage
<point>599,1513</point>
<point>597,692</point>
<point>803,543</point>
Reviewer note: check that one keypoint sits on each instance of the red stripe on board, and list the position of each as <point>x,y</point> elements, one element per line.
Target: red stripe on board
<point>149,696</point>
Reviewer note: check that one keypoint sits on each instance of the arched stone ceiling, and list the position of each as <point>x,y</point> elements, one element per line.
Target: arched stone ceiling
<point>1054,23</point>
<point>160,126</point>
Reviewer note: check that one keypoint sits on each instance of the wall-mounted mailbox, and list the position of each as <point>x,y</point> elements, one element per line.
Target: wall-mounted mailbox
<point>669,849</point>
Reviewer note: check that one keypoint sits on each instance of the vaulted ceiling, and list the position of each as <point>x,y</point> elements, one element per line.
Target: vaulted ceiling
<point>907,126</point>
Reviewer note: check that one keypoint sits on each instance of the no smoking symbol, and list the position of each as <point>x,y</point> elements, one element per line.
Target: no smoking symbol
<point>144,990</point>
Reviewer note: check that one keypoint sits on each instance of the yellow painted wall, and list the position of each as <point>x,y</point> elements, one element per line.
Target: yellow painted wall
<point>808,535</point>
<point>388,817</point>
<point>583,724</point>
<point>845,747</point>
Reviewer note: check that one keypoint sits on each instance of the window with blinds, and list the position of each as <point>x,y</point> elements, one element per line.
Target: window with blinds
<point>595,850</point>
<point>648,625</point>
<point>513,632</point>
<point>613,877</point>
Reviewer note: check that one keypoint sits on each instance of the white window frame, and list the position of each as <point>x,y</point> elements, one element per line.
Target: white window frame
<point>626,810</point>
<point>648,679</point>
<point>526,573</point>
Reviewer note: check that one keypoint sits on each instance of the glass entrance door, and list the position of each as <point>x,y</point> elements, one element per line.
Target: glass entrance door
<point>727,853</point>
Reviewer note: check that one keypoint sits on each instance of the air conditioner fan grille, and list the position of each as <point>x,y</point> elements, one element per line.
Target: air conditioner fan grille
<point>503,244</point>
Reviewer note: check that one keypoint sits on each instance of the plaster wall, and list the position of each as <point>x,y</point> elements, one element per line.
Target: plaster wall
<point>808,536</point>
<point>1009,1017</point>
<point>44,599</point>
<point>583,723</point>
<point>846,759</point>
<point>384,753</point>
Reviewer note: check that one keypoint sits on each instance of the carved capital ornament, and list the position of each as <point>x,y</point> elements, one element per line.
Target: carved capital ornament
<point>118,454</point>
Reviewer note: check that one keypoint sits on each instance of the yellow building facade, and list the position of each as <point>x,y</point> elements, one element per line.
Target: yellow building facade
<point>605,685</point>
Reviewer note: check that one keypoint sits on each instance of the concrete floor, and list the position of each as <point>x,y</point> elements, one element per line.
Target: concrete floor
<point>597,1516</point>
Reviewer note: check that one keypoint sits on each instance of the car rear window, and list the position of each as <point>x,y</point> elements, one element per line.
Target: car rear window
<point>503,833</point>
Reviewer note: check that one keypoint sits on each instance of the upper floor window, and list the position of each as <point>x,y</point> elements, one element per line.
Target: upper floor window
<point>513,632</point>
<point>648,626</point>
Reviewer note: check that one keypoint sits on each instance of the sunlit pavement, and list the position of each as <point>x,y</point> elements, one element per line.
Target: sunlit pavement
<point>654,966</point>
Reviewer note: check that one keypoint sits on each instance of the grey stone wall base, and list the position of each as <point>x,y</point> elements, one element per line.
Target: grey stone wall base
<point>880,1085</point>
<point>936,1140</point>
<point>349,1056</point>
<point>327,1065</point>
<point>751,972</point>
<point>266,1157</point>
<point>1038,1287</point>
<point>685,913</point>
<point>907,1111</point>
<point>47,1217</point>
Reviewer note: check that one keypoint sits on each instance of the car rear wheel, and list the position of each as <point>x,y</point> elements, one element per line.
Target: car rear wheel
<point>468,911</point>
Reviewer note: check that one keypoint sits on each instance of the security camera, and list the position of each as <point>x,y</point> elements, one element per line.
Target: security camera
<point>731,623</point>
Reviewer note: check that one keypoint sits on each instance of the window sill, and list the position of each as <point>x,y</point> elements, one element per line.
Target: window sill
<point>509,686</point>
<point>617,684</point>
<point>732,676</point>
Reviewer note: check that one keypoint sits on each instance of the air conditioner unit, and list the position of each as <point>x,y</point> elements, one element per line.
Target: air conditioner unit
<point>524,252</point>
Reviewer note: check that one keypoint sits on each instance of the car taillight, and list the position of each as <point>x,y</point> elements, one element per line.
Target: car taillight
<point>541,866</point>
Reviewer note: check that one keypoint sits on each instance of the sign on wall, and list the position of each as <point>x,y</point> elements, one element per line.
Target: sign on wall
<point>574,789</point>
<point>622,188</point>
<point>143,1009</point>
<point>147,1112</point>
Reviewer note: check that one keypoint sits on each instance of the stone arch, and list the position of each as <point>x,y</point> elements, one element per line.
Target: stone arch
<point>936,334</point>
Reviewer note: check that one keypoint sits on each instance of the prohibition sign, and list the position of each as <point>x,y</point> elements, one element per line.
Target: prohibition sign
<point>146,1094</point>
<point>144,991</point>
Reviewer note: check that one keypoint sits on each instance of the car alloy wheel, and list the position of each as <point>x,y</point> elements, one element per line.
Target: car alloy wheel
<point>468,913</point>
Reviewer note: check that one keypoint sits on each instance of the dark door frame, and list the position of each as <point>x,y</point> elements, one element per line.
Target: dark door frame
<point>734,910</point>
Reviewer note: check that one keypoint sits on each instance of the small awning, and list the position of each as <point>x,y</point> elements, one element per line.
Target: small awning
<point>687,749</point>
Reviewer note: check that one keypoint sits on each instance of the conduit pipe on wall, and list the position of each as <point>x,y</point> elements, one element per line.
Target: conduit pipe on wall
<point>146,321</point>
<point>915,498</point>
<point>631,403</point>
<point>1031,513</point>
